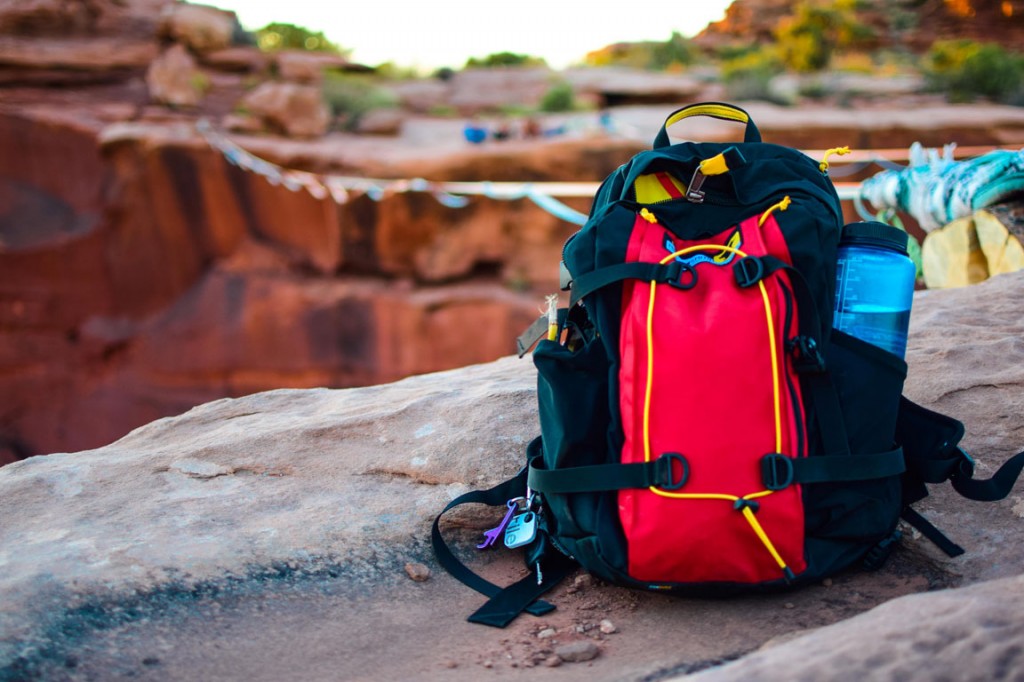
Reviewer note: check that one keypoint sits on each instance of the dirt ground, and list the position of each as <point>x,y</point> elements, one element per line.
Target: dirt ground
<point>329,628</point>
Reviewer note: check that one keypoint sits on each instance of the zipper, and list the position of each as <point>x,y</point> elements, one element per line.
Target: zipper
<point>794,403</point>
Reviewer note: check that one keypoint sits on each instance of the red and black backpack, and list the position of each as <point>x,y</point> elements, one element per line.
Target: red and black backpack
<point>704,429</point>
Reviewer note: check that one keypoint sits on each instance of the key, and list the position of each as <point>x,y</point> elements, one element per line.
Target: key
<point>521,530</point>
<point>491,536</point>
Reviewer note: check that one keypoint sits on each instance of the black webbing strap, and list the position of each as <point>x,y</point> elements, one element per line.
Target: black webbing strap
<point>992,489</point>
<point>502,608</point>
<point>931,532</point>
<point>602,477</point>
<point>586,284</point>
<point>498,495</point>
<point>832,468</point>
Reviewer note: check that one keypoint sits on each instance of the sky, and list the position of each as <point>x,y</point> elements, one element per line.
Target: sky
<point>430,34</point>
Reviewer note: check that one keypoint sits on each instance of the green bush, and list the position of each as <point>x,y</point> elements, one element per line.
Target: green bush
<point>559,97</point>
<point>677,52</point>
<point>278,36</point>
<point>502,59</point>
<point>966,70</point>
<point>349,96</point>
<point>809,38</point>
<point>749,76</point>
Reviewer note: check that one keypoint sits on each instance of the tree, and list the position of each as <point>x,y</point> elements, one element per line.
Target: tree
<point>278,36</point>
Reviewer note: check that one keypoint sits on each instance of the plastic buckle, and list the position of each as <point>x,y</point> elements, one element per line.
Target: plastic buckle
<point>774,476</point>
<point>748,271</point>
<point>666,470</point>
<point>877,555</point>
<point>743,503</point>
<point>808,356</point>
<point>675,277</point>
<point>965,469</point>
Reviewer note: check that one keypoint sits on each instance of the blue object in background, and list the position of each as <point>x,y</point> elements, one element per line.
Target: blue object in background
<point>874,285</point>
<point>475,134</point>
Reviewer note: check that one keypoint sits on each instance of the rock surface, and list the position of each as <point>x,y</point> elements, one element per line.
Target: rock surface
<point>268,536</point>
<point>174,78</point>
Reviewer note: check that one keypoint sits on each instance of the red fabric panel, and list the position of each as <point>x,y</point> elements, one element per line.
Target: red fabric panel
<point>712,402</point>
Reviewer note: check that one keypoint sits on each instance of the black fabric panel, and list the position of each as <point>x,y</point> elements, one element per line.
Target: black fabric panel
<point>844,520</point>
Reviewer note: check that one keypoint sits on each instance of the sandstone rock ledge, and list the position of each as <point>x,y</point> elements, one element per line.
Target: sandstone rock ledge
<point>266,537</point>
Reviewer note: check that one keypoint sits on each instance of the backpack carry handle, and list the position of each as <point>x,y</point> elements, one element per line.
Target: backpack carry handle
<point>720,110</point>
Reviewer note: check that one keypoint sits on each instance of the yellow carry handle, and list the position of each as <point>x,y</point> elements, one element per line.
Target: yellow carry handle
<point>720,110</point>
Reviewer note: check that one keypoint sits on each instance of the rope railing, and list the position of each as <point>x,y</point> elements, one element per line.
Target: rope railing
<point>343,188</point>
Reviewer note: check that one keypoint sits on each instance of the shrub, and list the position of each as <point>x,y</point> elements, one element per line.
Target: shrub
<point>749,76</point>
<point>809,38</point>
<point>278,36</point>
<point>965,70</point>
<point>559,97</point>
<point>349,96</point>
<point>500,59</point>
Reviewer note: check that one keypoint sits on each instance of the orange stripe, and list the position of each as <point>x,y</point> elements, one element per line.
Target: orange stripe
<point>666,181</point>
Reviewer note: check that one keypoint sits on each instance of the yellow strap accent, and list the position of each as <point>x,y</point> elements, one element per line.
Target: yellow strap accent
<point>716,110</point>
<point>648,216</point>
<point>840,151</point>
<point>781,206</point>
<point>650,190</point>
<point>716,165</point>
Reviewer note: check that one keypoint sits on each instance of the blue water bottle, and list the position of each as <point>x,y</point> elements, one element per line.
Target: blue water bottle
<point>874,285</point>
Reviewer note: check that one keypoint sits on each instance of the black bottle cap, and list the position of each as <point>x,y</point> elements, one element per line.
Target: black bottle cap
<point>875,234</point>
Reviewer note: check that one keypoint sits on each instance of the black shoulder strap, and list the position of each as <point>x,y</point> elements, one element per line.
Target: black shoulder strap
<point>930,442</point>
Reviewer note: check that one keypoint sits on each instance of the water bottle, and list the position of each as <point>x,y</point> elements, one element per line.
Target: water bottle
<point>874,285</point>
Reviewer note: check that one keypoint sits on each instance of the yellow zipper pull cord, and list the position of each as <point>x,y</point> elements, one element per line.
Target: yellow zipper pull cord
<point>781,206</point>
<point>648,216</point>
<point>748,512</point>
<point>552,312</point>
<point>839,151</point>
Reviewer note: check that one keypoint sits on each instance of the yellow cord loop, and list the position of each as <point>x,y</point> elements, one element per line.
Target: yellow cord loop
<point>781,206</point>
<point>648,216</point>
<point>839,151</point>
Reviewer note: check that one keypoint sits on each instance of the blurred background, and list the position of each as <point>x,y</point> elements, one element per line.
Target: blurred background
<point>197,203</point>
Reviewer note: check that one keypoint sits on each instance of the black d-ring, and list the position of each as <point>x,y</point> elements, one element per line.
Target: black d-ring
<point>777,471</point>
<point>684,270</point>
<point>748,271</point>
<point>667,471</point>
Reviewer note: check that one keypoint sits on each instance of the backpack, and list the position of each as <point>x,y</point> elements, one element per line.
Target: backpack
<point>704,429</point>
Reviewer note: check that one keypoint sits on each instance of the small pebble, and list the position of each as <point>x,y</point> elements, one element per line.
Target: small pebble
<point>488,664</point>
<point>577,652</point>
<point>827,582</point>
<point>547,633</point>
<point>607,627</point>
<point>582,582</point>
<point>417,572</point>
<point>790,605</point>
<point>552,661</point>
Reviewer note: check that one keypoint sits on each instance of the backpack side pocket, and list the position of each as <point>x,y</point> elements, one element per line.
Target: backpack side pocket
<point>846,519</point>
<point>572,395</point>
